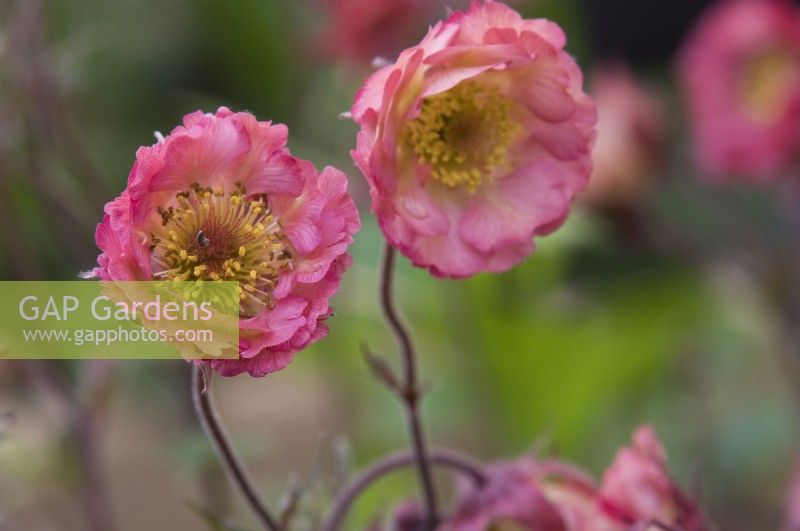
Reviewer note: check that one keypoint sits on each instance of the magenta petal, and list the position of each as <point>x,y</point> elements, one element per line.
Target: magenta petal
<point>489,224</point>
<point>278,174</point>
<point>548,96</point>
<point>277,325</point>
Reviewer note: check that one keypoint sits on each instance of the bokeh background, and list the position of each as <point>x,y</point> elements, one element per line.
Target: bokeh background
<point>677,309</point>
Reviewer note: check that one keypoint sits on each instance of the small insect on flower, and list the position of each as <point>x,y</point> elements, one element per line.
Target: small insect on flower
<point>202,239</point>
<point>475,140</point>
<point>221,198</point>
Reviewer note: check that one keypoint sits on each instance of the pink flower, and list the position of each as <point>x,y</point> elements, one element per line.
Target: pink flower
<point>637,494</point>
<point>740,71</point>
<point>638,490</point>
<point>792,522</point>
<point>526,495</point>
<point>361,30</point>
<point>406,516</point>
<point>475,140</point>
<point>630,126</point>
<point>221,197</point>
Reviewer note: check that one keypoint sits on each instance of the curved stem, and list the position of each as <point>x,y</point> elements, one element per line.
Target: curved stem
<point>344,500</point>
<point>398,327</point>
<point>201,396</point>
<point>409,392</point>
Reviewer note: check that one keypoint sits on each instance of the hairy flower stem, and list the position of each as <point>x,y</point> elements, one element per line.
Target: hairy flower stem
<point>201,396</point>
<point>408,390</point>
<point>345,498</point>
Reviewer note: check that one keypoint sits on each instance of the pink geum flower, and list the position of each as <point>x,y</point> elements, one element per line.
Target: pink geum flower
<point>637,491</point>
<point>637,494</point>
<point>475,140</point>
<point>630,138</point>
<point>360,31</point>
<point>740,71</point>
<point>221,197</point>
<point>526,495</point>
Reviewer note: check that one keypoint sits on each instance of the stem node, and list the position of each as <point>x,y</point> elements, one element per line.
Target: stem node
<point>408,390</point>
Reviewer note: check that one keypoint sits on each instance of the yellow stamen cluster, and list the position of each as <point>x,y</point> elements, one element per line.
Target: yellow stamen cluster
<point>210,235</point>
<point>505,524</point>
<point>766,84</point>
<point>464,134</point>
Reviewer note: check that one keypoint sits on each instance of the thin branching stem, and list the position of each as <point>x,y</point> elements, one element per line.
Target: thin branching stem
<point>345,498</point>
<point>237,473</point>
<point>409,391</point>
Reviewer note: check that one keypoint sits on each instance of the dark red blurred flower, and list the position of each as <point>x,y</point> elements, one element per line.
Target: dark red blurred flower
<point>361,30</point>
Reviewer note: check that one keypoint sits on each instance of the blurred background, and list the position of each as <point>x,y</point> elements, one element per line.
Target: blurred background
<point>663,300</point>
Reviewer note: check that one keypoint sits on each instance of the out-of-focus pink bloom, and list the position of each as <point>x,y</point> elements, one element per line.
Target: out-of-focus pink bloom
<point>475,140</point>
<point>740,71</point>
<point>638,490</point>
<point>637,494</point>
<point>361,30</point>
<point>221,197</point>
<point>793,502</point>
<point>407,516</point>
<point>630,135</point>
<point>526,495</point>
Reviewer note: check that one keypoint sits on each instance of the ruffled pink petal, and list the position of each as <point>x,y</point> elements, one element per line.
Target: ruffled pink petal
<point>338,221</point>
<point>201,155</point>
<point>419,211</point>
<point>544,89</point>
<point>274,326</point>
<point>257,366</point>
<point>534,200</point>
<point>489,223</point>
<point>447,256</point>
<point>277,173</point>
<point>638,488</point>
<point>483,17</point>
<point>300,215</point>
<point>465,61</point>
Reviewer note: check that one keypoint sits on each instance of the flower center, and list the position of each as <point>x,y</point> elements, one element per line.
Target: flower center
<point>767,85</point>
<point>506,524</point>
<point>464,135</point>
<point>214,236</point>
